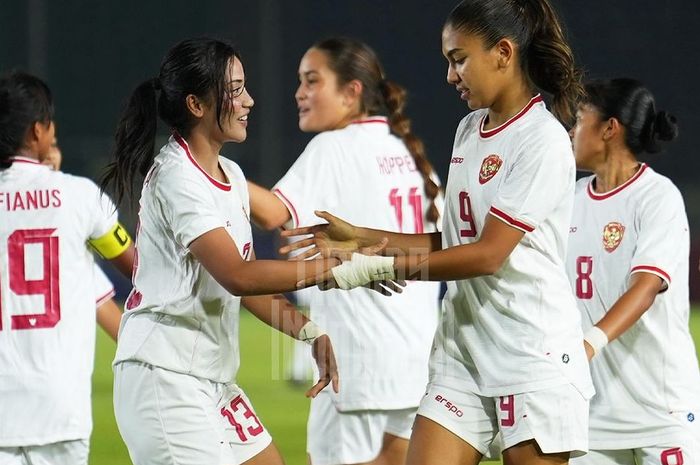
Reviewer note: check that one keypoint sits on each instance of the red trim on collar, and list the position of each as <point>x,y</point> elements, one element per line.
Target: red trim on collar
<point>30,161</point>
<point>608,194</point>
<point>221,185</point>
<point>371,120</point>
<point>492,132</point>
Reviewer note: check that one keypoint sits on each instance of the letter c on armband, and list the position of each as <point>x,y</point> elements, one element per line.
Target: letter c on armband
<point>113,243</point>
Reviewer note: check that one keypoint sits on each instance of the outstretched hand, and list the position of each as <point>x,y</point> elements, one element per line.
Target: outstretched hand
<point>327,366</point>
<point>336,237</point>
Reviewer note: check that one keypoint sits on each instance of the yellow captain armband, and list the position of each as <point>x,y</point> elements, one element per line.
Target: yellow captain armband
<point>113,243</point>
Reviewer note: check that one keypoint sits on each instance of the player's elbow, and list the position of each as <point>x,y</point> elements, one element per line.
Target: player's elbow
<point>491,265</point>
<point>241,285</point>
<point>269,221</point>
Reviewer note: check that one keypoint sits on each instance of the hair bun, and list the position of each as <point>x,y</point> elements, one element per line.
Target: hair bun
<point>665,126</point>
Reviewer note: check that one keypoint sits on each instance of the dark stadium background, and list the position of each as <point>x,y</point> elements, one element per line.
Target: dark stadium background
<point>93,54</point>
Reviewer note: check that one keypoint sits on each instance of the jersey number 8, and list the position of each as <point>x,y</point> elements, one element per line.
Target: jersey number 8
<point>584,283</point>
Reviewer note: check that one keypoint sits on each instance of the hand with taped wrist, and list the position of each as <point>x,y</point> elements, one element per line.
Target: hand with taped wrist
<point>361,270</point>
<point>323,354</point>
<point>365,269</point>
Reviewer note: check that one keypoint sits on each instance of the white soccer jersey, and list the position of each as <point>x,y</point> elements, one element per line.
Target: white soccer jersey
<point>177,316</point>
<point>648,376</point>
<point>47,302</point>
<point>517,330</point>
<point>365,175</point>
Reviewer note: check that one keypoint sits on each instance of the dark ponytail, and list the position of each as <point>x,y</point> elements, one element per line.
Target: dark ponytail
<point>134,141</point>
<point>192,67</point>
<point>544,53</point>
<point>632,104</point>
<point>24,101</point>
<point>351,60</point>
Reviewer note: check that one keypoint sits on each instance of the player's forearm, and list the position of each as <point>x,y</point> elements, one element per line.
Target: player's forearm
<point>460,262</point>
<point>631,305</point>
<point>277,312</point>
<point>399,243</point>
<point>108,317</point>
<point>266,209</point>
<point>261,277</point>
<point>125,262</point>
<point>483,257</point>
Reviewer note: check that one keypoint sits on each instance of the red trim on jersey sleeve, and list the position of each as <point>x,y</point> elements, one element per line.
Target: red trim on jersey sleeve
<point>605,195</point>
<point>105,298</point>
<point>506,218</point>
<point>183,144</point>
<point>30,161</point>
<point>289,205</point>
<point>492,132</point>
<point>653,270</point>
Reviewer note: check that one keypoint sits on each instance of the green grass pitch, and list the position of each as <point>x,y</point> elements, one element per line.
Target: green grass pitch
<point>281,407</point>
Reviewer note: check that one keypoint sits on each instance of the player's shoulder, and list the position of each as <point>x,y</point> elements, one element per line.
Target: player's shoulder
<point>171,166</point>
<point>233,169</point>
<point>471,121</point>
<point>325,148</point>
<point>654,184</point>
<point>329,140</point>
<point>541,126</point>
<point>582,185</point>
<point>77,185</point>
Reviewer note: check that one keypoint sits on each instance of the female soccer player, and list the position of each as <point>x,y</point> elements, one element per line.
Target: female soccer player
<point>628,264</point>
<point>108,312</point>
<point>508,355</point>
<point>47,286</point>
<point>384,343</point>
<point>177,354</point>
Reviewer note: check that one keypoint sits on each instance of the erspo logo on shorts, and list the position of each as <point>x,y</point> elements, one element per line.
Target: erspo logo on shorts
<point>449,405</point>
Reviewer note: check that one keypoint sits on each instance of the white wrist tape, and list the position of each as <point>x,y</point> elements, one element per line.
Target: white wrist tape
<point>363,269</point>
<point>310,332</point>
<point>596,338</point>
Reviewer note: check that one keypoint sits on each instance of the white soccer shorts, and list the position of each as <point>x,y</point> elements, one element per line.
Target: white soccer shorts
<point>58,453</point>
<point>335,437</point>
<point>168,418</point>
<point>557,418</point>
<point>683,449</point>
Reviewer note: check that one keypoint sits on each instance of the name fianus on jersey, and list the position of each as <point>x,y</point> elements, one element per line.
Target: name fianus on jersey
<point>396,164</point>
<point>489,168</point>
<point>613,233</point>
<point>30,200</point>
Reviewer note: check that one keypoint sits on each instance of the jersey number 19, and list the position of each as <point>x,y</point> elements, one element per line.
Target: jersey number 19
<point>45,286</point>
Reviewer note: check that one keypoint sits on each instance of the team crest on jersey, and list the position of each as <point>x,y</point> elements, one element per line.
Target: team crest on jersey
<point>612,236</point>
<point>489,168</point>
